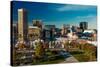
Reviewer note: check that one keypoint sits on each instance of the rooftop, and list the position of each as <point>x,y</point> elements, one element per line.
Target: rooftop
<point>33,27</point>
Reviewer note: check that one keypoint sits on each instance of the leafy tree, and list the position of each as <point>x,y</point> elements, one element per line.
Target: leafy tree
<point>39,51</point>
<point>66,46</point>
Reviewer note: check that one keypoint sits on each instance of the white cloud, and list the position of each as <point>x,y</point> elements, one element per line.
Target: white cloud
<point>86,17</point>
<point>74,8</point>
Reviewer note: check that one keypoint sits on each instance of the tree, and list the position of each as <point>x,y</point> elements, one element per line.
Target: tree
<point>13,59</point>
<point>66,45</point>
<point>90,50</point>
<point>39,51</point>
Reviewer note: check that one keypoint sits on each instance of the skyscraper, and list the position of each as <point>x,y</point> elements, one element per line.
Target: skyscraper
<point>14,32</point>
<point>22,25</point>
<point>37,23</point>
<point>83,25</point>
<point>65,29</point>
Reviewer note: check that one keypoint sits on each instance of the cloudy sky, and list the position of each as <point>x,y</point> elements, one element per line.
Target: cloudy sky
<point>58,14</point>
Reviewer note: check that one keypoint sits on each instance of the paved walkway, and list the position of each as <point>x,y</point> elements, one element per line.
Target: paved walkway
<point>70,59</point>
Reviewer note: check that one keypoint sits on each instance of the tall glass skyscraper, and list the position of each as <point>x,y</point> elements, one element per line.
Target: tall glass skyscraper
<point>22,25</point>
<point>83,25</point>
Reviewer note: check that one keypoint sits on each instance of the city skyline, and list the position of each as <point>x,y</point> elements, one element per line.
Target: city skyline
<point>57,14</point>
<point>50,33</point>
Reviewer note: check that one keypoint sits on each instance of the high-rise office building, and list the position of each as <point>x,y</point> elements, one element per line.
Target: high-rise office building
<point>37,23</point>
<point>74,28</point>
<point>14,32</point>
<point>65,29</point>
<point>22,25</point>
<point>49,27</point>
<point>49,32</point>
<point>34,33</point>
<point>83,25</point>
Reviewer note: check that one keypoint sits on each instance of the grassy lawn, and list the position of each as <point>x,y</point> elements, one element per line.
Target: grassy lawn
<point>52,59</point>
<point>80,56</point>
